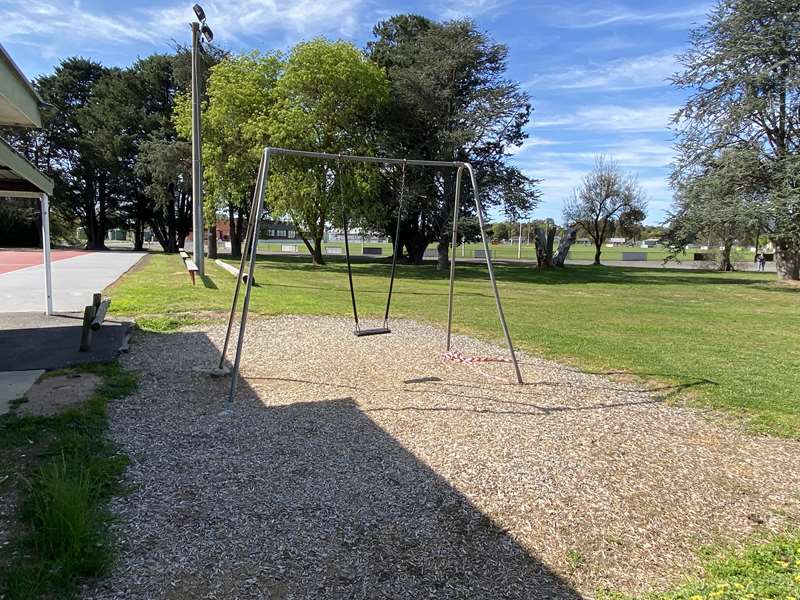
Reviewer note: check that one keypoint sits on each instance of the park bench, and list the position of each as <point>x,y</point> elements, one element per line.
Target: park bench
<point>184,254</point>
<point>372,250</point>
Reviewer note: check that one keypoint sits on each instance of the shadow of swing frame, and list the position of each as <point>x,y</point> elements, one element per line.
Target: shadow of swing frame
<point>251,246</point>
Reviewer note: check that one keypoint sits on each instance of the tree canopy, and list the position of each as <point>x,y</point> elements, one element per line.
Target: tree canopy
<point>606,194</point>
<point>743,73</point>
<point>450,101</point>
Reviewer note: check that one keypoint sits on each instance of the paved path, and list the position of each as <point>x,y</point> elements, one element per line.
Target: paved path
<point>75,279</point>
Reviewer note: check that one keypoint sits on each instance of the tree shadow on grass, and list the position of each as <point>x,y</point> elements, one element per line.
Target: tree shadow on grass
<point>308,499</point>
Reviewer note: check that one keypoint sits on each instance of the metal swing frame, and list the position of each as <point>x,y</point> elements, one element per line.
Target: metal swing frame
<point>251,246</point>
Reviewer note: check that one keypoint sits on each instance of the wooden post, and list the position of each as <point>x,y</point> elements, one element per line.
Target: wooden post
<point>100,314</point>
<point>86,329</point>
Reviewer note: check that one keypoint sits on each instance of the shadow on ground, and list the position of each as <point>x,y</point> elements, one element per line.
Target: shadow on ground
<point>302,500</point>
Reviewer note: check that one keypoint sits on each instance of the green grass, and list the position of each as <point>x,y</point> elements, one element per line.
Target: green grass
<point>730,341</point>
<point>762,570</point>
<point>64,534</point>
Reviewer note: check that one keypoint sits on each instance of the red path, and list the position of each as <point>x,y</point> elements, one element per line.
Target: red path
<point>12,260</point>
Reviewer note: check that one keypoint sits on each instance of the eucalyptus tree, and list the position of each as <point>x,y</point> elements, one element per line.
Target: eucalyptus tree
<point>605,195</point>
<point>743,73</point>
<point>450,100</point>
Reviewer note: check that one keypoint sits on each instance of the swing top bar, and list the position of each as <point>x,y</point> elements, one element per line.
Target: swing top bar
<point>367,159</point>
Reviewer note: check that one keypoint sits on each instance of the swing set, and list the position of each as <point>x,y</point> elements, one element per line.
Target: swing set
<point>251,245</point>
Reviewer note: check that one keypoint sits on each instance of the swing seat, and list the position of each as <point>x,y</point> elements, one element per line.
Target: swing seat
<point>375,331</point>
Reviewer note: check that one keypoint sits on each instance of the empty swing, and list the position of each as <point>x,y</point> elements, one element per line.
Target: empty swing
<point>384,329</point>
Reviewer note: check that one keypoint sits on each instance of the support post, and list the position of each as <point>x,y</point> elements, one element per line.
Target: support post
<point>456,208</point>
<point>251,269</point>
<point>251,230</point>
<point>491,272</point>
<point>48,276</point>
<point>197,158</point>
<point>519,244</point>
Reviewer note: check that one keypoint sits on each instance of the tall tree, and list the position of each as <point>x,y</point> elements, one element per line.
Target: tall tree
<point>605,194</point>
<point>80,167</point>
<point>743,71</point>
<point>450,101</point>
<point>326,100</point>
<point>724,202</point>
<point>235,120</point>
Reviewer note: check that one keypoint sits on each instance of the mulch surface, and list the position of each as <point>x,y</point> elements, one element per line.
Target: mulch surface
<point>371,468</point>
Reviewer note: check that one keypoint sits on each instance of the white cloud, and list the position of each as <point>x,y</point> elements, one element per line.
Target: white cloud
<point>454,9</point>
<point>70,28</point>
<point>649,70</point>
<point>46,19</point>
<point>233,19</point>
<point>612,118</point>
<point>576,18</point>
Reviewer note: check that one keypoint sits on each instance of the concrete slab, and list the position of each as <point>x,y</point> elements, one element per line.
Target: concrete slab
<point>35,341</point>
<point>14,384</point>
<point>75,279</point>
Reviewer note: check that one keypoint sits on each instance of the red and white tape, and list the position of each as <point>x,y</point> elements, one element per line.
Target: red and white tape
<point>456,356</point>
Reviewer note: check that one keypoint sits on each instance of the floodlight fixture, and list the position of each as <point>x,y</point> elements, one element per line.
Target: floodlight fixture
<point>207,33</point>
<point>198,10</point>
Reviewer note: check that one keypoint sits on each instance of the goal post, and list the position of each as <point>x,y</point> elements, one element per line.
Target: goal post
<point>250,246</point>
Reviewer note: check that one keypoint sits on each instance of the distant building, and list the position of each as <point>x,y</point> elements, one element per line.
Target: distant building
<point>615,241</point>
<point>649,243</point>
<point>277,230</point>
<point>583,242</point>
<point>355,234</point>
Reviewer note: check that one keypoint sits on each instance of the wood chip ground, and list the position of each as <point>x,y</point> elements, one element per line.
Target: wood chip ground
<point>370,468</point>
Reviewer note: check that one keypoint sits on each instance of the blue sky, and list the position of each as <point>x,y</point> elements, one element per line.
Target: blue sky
<point>596,70</point>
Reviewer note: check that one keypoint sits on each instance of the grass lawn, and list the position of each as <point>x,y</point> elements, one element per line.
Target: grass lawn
<point>66,469</point>
<point>730,341</point>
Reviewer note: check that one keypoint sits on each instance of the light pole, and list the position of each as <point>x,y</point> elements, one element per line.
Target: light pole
<point>200,31</point>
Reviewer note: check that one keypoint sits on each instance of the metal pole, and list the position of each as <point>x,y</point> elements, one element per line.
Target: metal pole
<point>48,276</point>
<point>519,244</point>
<point>246,306</point>
<point>491,273</point>
<point>368,159</point>
<point>197,158</point>
<point>250,228</point>
<point>456,206</point>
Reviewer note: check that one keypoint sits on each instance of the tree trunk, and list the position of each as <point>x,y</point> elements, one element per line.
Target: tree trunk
<point>725,261</point>
<point>317,251</point>
<point>787,261</point>
<point>138,234</point>
<point>443,258</point>
<point>569,237</point>
<point>598,248</point>
<point>415,247</point>
<point>212,242</point>
<point>543,240</point>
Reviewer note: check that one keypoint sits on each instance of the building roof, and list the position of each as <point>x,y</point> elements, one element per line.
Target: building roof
<point>19,102</point>
<point>18,177</point>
